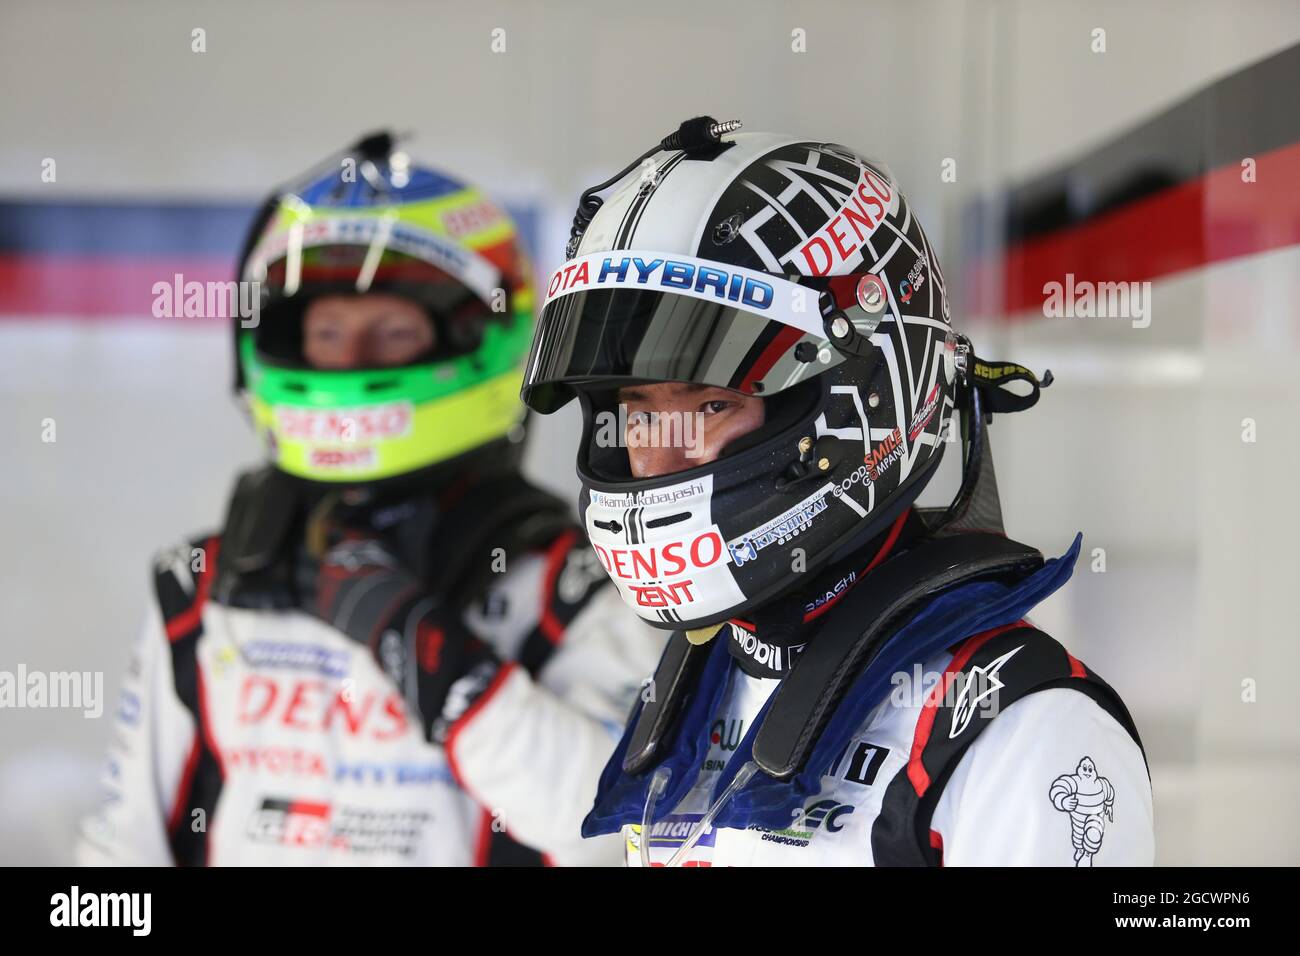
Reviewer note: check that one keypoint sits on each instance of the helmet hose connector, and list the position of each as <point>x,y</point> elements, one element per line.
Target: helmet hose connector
<point>697,135</point>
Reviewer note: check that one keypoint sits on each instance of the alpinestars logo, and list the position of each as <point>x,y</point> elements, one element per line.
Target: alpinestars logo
<point>981,683</point>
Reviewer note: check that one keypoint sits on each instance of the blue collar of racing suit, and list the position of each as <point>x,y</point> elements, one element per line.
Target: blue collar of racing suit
<point>763,801</point>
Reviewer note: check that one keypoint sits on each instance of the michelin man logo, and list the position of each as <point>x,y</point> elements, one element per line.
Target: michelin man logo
<point>1090,802</point>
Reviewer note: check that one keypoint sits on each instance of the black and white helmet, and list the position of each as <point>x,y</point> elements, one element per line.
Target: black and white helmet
<point>777,267</point>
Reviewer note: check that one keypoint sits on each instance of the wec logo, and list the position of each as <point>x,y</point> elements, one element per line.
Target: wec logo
<point>825,813</point>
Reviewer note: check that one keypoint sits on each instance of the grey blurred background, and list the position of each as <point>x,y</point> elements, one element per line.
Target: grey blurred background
<point>1138,444</point>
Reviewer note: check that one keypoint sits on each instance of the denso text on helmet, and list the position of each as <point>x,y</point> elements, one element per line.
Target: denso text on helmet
<point>643,563</point>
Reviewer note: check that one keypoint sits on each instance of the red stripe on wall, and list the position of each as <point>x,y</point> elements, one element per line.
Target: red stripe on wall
<point>1206,220</point>
<point>98,286</point>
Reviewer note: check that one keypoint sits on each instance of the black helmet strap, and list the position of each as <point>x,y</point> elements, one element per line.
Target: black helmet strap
<point>980,394</point>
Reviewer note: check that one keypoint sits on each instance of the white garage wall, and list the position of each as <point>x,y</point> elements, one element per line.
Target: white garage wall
<point>1194,596</point>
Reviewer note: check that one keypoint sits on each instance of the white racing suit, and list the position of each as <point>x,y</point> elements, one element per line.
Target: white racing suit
<point>997,808</point>
<point>267,737</point>
<point>996,747</point>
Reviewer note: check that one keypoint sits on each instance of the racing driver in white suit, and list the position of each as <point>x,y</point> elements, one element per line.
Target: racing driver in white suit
<point>850,680</point>
<point>397,650</point>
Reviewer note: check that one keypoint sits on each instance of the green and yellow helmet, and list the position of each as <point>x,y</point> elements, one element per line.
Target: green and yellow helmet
<point>374,223</point>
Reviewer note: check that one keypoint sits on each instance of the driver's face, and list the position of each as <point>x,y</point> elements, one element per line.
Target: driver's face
<point>724,416</point>
<point>364,331</point>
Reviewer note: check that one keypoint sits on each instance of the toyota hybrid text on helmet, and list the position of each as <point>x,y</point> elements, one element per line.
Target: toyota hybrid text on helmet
<point>778,267</point>
<point>374,223</point>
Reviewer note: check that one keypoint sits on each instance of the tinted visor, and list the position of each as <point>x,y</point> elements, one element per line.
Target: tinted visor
<point>733,329</point>
<point>436,278</point>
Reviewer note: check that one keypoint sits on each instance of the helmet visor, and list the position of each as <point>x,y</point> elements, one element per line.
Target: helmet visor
<point>627,317</point>
<point>460,291</point>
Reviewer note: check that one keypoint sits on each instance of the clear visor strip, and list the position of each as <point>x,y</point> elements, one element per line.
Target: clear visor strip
<point>771,297</point>
<point>380,234</point>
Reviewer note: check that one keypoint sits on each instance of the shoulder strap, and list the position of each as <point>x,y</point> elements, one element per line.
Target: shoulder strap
<point>182,584</point>
<point>506,513</point>
<point>1015,661</point>
<point>263,517</point>
<point>893,592</point>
